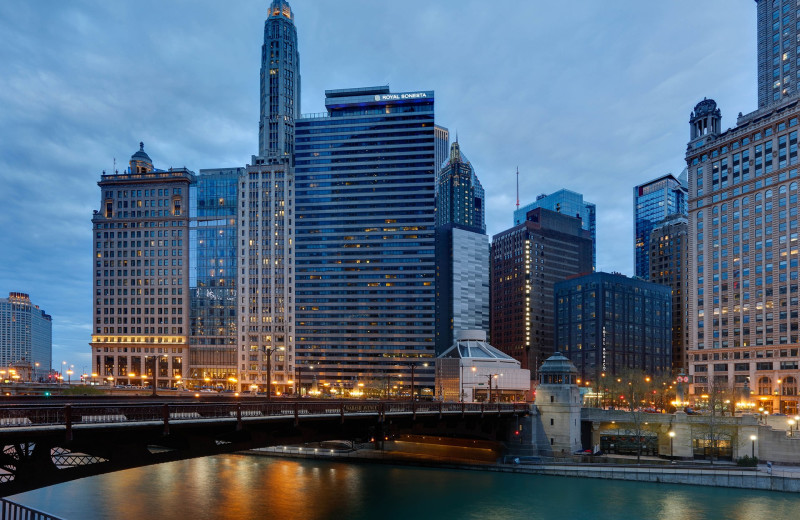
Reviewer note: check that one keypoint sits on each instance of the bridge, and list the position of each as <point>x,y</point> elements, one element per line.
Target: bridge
<point>45,444</point>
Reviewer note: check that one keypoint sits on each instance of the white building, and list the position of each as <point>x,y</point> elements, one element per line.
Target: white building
<point>473,370</point>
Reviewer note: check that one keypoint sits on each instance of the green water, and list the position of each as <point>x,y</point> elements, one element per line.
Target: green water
<point>246,487</point>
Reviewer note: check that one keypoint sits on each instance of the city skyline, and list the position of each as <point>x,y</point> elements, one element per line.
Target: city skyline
<point>103,84</point>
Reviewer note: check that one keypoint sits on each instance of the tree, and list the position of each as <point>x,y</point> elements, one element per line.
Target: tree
<point>720,399</point>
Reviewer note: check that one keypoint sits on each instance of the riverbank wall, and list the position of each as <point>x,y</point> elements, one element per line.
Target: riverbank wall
<point>730,476</point>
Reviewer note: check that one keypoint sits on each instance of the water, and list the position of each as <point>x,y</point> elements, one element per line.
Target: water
<point>245,487</point>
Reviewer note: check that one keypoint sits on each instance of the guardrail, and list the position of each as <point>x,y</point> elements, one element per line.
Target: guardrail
<point>69,415</point>
<point>12,511</point>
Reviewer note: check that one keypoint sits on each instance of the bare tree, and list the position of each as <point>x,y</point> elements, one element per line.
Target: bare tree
<point>715,430</point>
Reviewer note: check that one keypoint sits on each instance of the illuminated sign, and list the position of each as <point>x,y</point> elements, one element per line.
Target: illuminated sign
<point>397,97</point>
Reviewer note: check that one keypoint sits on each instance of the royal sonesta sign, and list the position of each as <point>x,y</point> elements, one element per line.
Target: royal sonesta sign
<point>397,97</point>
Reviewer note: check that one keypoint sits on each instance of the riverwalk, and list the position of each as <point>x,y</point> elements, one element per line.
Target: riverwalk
<point>784,479</point>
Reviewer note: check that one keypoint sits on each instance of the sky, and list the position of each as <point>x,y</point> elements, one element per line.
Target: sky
<point>588,95</point>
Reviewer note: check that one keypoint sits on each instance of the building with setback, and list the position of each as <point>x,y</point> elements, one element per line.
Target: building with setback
<point>26,338</point>
<point>140,325</point>
<point>653,202</point>
<point>607,323</point>
<point>364,239</point>
<point>462,251</point>
<point>569,203</point>
<point>266,348</point>
<point>669,256</point>
<point>743,189</point>
<point>526,262</point>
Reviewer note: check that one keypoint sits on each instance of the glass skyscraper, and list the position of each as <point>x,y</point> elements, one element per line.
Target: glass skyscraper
<point>25,337</point>
<point>212,278</point>
<point>653,202</point>
<point>568,203</point>
<point>364,241</point>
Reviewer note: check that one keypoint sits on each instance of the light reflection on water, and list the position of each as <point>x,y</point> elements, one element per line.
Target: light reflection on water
<point>244,487</point>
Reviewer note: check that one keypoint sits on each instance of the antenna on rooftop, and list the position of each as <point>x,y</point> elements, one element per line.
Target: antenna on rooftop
<point>517,187</point>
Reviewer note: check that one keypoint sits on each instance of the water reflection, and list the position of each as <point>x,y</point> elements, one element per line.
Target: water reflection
<point>244,487</point>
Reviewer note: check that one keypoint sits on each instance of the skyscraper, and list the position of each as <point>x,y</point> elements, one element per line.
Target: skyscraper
<point>777,22</point>
<point>526,262</point>
<point>141,274</point>
<point>213,278</point>
<point>462,251</point>
<point>669,265</point>
<point>280,82</point>
<point>568,203</point>
<point>26,342</point>
<point>441,138</point>
<point>364,248</point>
<point>652,203</point>
<point>266,227</point>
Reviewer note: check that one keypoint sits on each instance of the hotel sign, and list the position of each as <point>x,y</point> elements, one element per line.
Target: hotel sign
<point>398,97</point>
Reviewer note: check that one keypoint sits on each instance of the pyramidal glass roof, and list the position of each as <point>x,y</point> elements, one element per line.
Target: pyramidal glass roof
<point>472,349</point>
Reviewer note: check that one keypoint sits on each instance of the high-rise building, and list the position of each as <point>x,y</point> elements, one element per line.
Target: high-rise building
<point>213,278</point>
<point>653,202</point>
<point>743,283</point>
<point>568,203</point>
<point>460,198</point>
<point>266,224</point>
<point>669,265</point>
<point>462,251</point>
<point>280,83</point>
<point>141,274</point>
<point>607,322</point>
<point>441,144</point>
<point>778,36</point>
<point>26,342</point>
<point>364,240</point>
<point>526,262</point>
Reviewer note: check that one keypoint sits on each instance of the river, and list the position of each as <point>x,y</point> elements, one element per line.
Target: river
<point>236,487</point>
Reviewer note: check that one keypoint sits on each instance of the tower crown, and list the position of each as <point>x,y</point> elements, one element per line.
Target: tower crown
<point>705,119</point>
<point>280,8</point>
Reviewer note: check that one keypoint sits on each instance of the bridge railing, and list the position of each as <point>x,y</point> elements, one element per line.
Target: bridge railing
<point>74,414</point>
<point>12,511</point>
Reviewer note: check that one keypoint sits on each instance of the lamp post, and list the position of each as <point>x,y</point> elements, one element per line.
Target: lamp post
<point>155,376</point>
<point>671,438</point>
<point>753,446</point>
<point>69,377</point>
<point>268,350</point>
<point>780,407</point>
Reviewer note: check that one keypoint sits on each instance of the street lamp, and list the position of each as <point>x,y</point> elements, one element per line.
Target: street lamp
<point>69,376</point>
<point>268,350</point>
<point>671,438</point>
<point>753,447</point>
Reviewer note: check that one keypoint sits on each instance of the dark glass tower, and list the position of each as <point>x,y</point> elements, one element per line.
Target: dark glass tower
<point>652,203</point>
<point>460,196</point>
<point>280,82</point>
<point>364,241</point>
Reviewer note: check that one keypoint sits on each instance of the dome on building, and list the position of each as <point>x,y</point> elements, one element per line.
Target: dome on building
<point>705,107</point>
<point>557,369</point>
<point>141,155</point>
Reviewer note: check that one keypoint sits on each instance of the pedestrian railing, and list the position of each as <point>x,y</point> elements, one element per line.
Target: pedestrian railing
<point>12,511</point>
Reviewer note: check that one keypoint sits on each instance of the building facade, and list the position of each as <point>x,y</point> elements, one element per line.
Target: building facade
<point>441,144</point>
<point>669,257</point>
<point>26,338</point>
<point>462,251</point>
<point>653,202</point>
<point>568,203</point>
<point>364,239</point>
<point>140,325</point>
<point>213,278</point>
<point>526,262</point>
<point>777,32</point>
<point>608,323</point>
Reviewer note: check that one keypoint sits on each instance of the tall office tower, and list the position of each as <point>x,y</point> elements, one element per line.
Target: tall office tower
<point>280,83</point>
<point>607,322</point>
<point>669,265</point>
<point>441,139</point>
<point>364,249</point>
<point>265,220</point>
<point>568,203</point>
<point>462,251</point>
<point>526,262</point>
<point>778,36</point>
<point>26,342</point>
<point>212,278</point>
<point>743,253</point>
<point>653,202</point>
<point>141,274</point>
